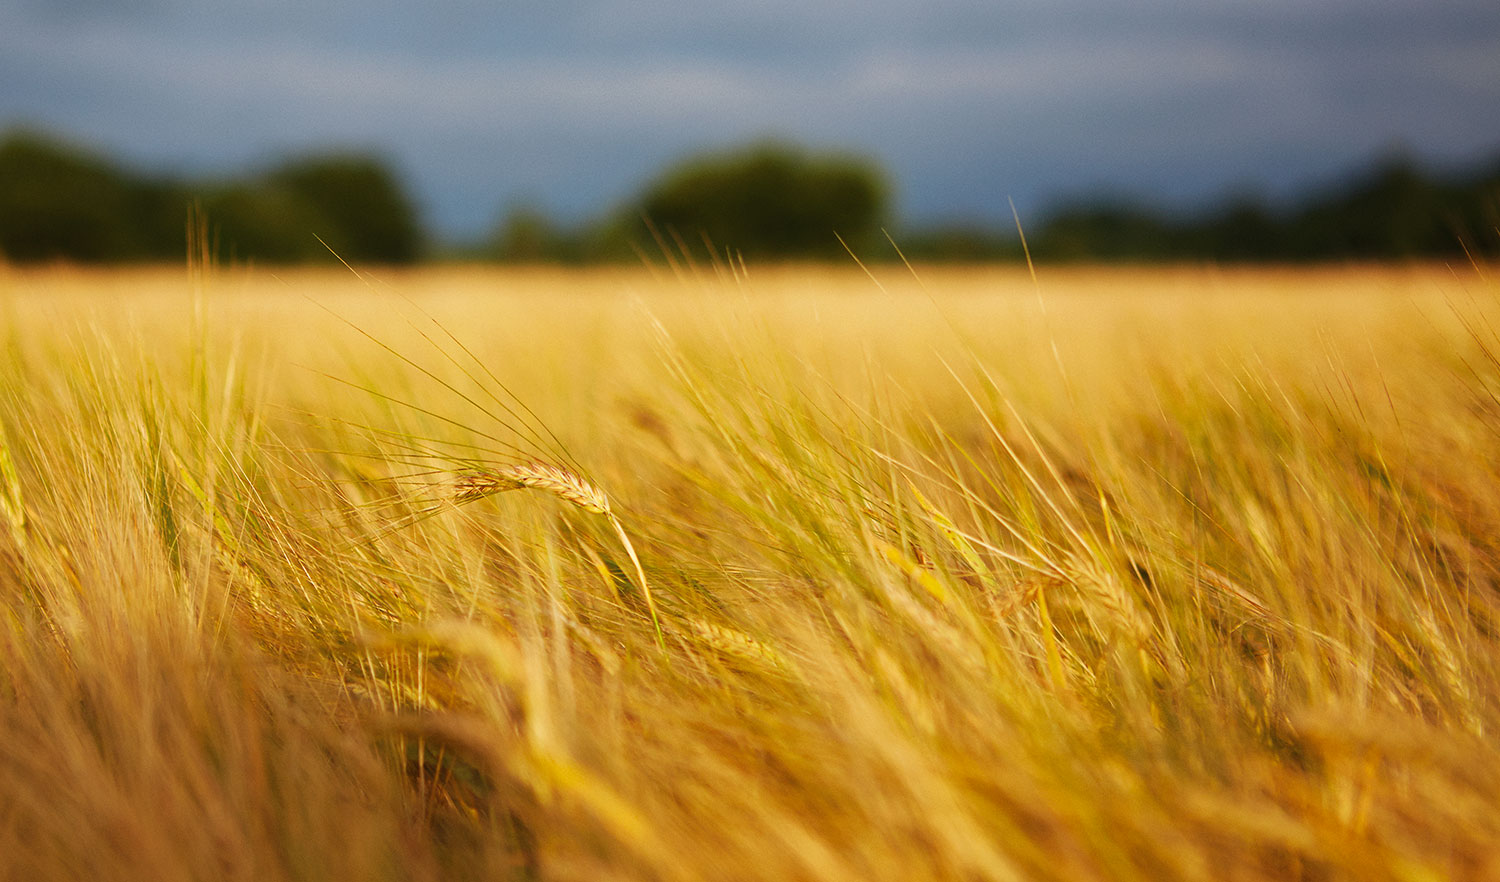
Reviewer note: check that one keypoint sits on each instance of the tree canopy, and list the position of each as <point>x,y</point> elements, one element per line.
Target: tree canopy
<point>368,217</point>
<point>62,202</point>
<point>59,202</point>
<point>768,201</point>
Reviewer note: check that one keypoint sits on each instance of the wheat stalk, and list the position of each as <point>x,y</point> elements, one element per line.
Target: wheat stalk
<point>563,484</point>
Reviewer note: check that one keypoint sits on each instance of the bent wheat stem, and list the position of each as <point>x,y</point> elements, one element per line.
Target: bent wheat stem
<point>564,484</point>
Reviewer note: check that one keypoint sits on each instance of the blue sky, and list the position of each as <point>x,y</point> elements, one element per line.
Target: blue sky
<point>573,104</point>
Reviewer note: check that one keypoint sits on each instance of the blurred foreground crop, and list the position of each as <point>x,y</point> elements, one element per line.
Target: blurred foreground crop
<point>1137,575</point>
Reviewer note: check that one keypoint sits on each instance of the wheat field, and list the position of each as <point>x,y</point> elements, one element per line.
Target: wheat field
<point>681,573</point>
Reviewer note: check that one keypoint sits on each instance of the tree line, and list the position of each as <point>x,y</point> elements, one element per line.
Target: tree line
<point>1392,210</point>
<point>766,201</point>
<point>59,202</point>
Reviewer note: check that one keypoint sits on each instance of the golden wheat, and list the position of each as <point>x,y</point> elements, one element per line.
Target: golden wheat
<point>739,644</point>
<point>553,479</point>
<point>1226,606</point>
<point>563,484</point>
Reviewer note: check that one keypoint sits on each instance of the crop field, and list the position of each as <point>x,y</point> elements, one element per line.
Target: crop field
<point>794,573</point>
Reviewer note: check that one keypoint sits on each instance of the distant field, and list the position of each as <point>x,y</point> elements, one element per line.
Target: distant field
<point>1122,573</point>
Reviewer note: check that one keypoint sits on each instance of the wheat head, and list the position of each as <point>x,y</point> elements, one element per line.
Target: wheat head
<point>556,480</point>
<point>563,484</point>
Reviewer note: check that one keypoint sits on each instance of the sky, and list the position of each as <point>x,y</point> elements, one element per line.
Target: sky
<point>573,105</point>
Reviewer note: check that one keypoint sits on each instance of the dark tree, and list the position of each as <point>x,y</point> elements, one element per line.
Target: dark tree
<point>528,235</point>
<point>1393,211</point>
<point>257,222</point>
<point>58,202</point>
<point>1104,231</point>
<point>363,213</point>
<point>770,201</point>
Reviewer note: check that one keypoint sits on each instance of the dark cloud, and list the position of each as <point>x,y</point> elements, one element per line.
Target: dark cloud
<point>572,103</point>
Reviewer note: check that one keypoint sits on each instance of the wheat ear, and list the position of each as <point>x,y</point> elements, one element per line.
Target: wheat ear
<point>563,484</point>
<point>534,475</point>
